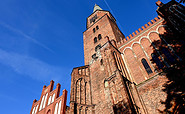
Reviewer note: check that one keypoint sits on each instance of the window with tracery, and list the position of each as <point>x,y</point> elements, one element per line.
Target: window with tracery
<point>146,66</point>
<point>157,61</point>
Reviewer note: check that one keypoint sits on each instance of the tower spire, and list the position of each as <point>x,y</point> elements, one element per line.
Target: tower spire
<point>96,7</point>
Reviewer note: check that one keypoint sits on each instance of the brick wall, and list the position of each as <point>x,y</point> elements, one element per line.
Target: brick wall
<point>49,99</point>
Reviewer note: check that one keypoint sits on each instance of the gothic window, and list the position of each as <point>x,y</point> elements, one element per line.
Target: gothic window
<point>33,111</point>
<point>146,66</point>
<point>53,98</point>
<point>45,100</point>
<point>94,30</point>
<point>99,37</point>
<point>41,104</point>
<point>80,110</point>
<point>56,108</point>
<point>157,61</point>
<point>59,107</point>
<point>86,109</point>
<point>78,92</point>
<point>168,55</point>
<point>95,39</point>
<point>49,101</point>
<point>97,27</point>
<point>49,111</point>
<point>36,109</point>
<point>177,10</point>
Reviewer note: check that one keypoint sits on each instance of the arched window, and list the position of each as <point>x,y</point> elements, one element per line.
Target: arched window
<point>41,104</point>
<point>168,55</point>
<point>36,109</point>
<point>94,30</point>
<point>86,109</point>
<point>157,61</point>
<point>45,100</point>
<point>80,110</point>
<point>95,39</point>
<point>56,108</point>
<point>33,111</point>
<point>48,112</point>
<point>97,27</point>
<point>49,100</point>
<point>59,107</point>
<point>146,66</point>
<point>99,37</point>
<point>53,98</point>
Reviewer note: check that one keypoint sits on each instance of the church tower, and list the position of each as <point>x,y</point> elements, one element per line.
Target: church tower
<point>118,76</point>
<point>100,86</point>
<point>100,24</point>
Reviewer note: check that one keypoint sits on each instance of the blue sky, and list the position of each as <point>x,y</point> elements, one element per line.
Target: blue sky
<point>41,40</point>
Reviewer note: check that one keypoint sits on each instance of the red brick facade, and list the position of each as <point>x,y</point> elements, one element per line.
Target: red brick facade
<point>50,102</point>
<point>118,76</point>
<point>114,79</point>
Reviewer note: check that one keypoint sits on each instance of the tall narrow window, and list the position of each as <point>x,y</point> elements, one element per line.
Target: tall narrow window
<point>41,104</point>
<point>97,27</point>
<point>45,100</point>
<point>99,37</point>
<point>80,110</point>
<point>33,111</point>
<point>146,66</point>
<point>53,98</point>
<point>94,30</point>
<point>59,107</point>
<point>86,109</point>
<point>49,101</point>
<point>168,55</point>
<point>95,39</point>
<point>49,111</point>
<point>36,109</point>
<point>56,108</point>
<point>157,61</point>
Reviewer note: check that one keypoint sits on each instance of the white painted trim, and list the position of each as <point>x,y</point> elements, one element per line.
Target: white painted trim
<point>45,100</point>
<point>140,34</point>
<point>157,29</point>
<point>134,43</point>
<point>59,107</point>
<point>56,108</point>
<point>129,74</point>
<point>53,98</point>
<point>152,32</point>
<point>127,48</point>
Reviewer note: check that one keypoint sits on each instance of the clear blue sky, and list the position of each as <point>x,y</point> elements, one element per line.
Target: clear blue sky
<point>41,40</point>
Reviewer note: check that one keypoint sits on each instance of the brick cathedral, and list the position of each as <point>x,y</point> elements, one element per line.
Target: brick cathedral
<point>122,75</point>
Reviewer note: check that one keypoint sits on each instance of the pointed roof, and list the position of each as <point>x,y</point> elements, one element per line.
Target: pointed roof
<point>96,7</point>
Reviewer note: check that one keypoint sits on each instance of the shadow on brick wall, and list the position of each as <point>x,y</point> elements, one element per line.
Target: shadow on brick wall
<point>169,58</point>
